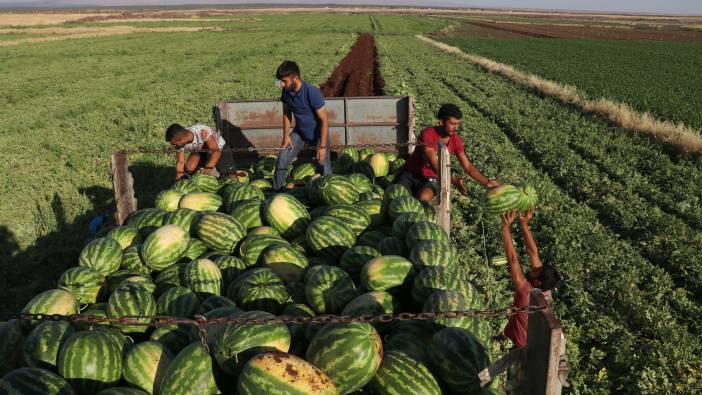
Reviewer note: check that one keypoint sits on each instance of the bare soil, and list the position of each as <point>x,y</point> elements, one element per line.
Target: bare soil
<point>358,73</point>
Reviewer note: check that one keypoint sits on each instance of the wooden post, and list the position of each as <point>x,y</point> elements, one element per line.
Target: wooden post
<point>443,213</point>
<point>123,186</point>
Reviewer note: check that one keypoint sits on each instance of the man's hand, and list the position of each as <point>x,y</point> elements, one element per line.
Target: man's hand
<point>525,218</point>
<point>492,183</point>
<point>460,184</point>
<point>287,142</point>
<point>205,171</point>
<point>508,218</point>
<point>321,154</point>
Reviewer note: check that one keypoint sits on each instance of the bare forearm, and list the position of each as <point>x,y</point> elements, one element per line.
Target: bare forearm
<point>475,174</point>
<point>530,245</point>
<point>213,159</point>
<point>286,125</point>
<point>324,133</point>
<point>515,269</point>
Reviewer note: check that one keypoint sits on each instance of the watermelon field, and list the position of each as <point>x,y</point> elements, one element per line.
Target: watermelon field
<point>619,214</point>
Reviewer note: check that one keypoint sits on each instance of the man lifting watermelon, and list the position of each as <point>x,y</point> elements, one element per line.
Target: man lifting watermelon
<point>196,139</point>
<point>419,174</point>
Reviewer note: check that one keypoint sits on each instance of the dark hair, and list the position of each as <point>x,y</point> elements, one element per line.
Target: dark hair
<point>174,131</point>
<point>449,110</point>
<point>549,277</point>
<point>287,68</point>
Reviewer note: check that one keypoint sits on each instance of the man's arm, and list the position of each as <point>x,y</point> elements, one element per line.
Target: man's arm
<point>215,153</point>
<point>180,165</point>
<point>324,120</point>
<point>287,121</point>
<point>473,171</point>
<point>529,241</point>
<point>515,269</point>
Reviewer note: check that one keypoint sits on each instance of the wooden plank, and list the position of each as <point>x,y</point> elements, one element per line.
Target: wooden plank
<point>411,137</point>
<point>123,186</point>
<point>443,213</point>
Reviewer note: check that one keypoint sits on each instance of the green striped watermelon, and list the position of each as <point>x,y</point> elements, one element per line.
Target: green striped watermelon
<point>168,200</point>
<point>230,267</point>
<point>336,189</point>
<point>371,303</point>
<point>42,346</point>
<point>404,204</point>
<point>178,302</point>
<point>216,301</point>
<point>286,215</point>
<point>261,289</point>
<point>392,246</point>
<point>432,253</point>
<point>238,343</point>
<point>34,381</point>
<point>264,230</point>
<point>125,235</point>
<point>252,247</point>
<point>145,365</point>
<point>83,282</point>
<point>285,260</point>
<point>131,300</point>
<point>52,301</point>
<point>146,219</point>
<point>239,193</point>
<point>203,277</point>
<point>445,300</point>
<point>397,165</point>
<point>220,231</point>
<point>164,246</point>
<point>499,260</point>
<point>265,166</point>
<point>425,230</point>
<point>403,222</point>
<point>347,157</point>
<point>116,279</point>
<point>363,167</point>
<point>432,279</point>
<point>262,184</point>
<point>353,260</point>
<point>214,330</point>
<point>248,212</point>
<point>399,374</point>
<point>318,212</point>
<point>169,277</point>
<point>205,182</point>
<point>184,186</point>
<point>174,337</point>
<point>298,343</point>
<point>281,373</point>
<point>370,238</point>
<point>132,260</point>
<point>362,183</point>
<point>407,343</point>
<point>349,353</point>
<point>457,356</point>
<point>365,153</point>
<point>102,254</point>
<point>390,156</point>
<point>385,272</point>
<point>527,199</point>
<point>328,289</point>
<point>190,372</point>
<point>183,217</point>
<point>380,164</point>
<point>302,170</point>
<point>196,248</point>
<point>122,391</point>
<point>395,191</point>
<point>502,198</point>
<point>91,361</point>
<point>374,210</point>
<point>329,236</point>
<point>201,201</point>
<point>353,216</point>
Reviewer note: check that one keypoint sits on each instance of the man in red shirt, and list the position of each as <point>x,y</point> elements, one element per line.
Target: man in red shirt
<point>544,277</point>
<point>419,175</point>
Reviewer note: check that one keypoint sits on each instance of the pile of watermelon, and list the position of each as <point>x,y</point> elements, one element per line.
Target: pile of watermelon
<point>350,243</point>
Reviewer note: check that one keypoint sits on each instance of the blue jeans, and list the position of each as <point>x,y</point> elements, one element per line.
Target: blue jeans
<point>286,156</point>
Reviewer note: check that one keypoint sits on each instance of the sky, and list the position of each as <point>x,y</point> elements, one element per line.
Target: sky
<point>633,6</point>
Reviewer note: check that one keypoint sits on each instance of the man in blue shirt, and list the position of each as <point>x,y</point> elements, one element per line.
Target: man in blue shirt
<point>306,104</point>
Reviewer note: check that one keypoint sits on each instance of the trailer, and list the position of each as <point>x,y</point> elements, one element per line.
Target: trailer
<point>254,129</point>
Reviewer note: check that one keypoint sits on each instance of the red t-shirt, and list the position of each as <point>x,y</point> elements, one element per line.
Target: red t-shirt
<point>516,329</point>
<point>417,165</point>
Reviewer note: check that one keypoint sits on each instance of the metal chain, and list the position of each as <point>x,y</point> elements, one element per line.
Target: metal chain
<point>274,149</point>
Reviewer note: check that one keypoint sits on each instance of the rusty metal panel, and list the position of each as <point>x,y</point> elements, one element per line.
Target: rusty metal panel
<point>378,109</point>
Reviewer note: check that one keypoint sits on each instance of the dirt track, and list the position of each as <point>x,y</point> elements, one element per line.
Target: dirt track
<point>358,74</point>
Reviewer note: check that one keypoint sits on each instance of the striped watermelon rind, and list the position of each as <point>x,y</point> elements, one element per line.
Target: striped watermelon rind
<point>259,289</point>
<point>287,215</point>
<point>285,260</point>
<point>32,381</point>
<point>190,372</point>
<point>42,345</point>
<point>52,301</point>
<point>201,201</point>
<point>501,199</point>
<point>132,260</point>
<point>527,199</point>
<point>131,300</point>
<point>102,254</point>
<point>219,231</point>
<point>203,277</point>
<point>328,289</point>
<point>354,217</point>
<point>336,189</point>
<point>282,373</point>
<point>379,163</point>
<point>83,282</point>
<point>432,253</point>
<point>371,303</point>
<point>95,349</point>
<point>164,246</point>
<point>178,302</point>
<point>125,235</point>
<point>168,199</point>
<point>457,356</point>
<point>401,374</point>
<point>353,259</point>
<point>425,230</point>
<point>145,365</point>
<point>386,272</point>
<point>329,236</point>
<point>248,213</point>
<point>205,182</point>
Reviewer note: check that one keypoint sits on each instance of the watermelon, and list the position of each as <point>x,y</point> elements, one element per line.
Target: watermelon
<point>203,277</point>
<point>363,167</point>
<point>347,157</point>
<point>146,219</point>
<point>201,201</point>
<point>214,302</point>
<point>164,246</point>
<point>407,343</point>
<point>297,331</point>
<point>238,343</point>
<point>122,391</point>
<point>432,253</point>
<point>116,279</point>
<point>205,182</point>
<point>445,300</point>
<point>457,357</point>
<point>400,374</point>
<point>501,199</point>
<point>168,200</point>
<point>354,217</point>
<point>329,236</point>
<point>286,215</point>
<point>91,361</point>
<point>265,166</point>
<point>174,337</point>
<point>336,189</point>
<point>264,230</point>
<point>365,153</point>
<point>83,282</point>
<point>125,235</point>
<point>361,182</point>
<point>527,199</point>
<point>214,330</point>
<point>140,279</point>
<point>392,246</point>
<point>230,267</point>
<point>431,279</point>
<point>183,217</point>
<point>385,272</point>
<point>52,301</point>
<point>261,289</point>
<point>371,303</point>
<point>353,260</point>
<point>132,260</point>
<point>131,300</point>
<point>184,186</point>
<point>499,260</point>
<point>248,212</point>
<point>374,209</point>
<point>145,365</point>
<point>370,238</point>
<point>404,204</point>
<point>328,289</point>
<point>178,302</point>
<point>220,231</point>
<point>395,191</point>
<point>190,372</point>
<point>195,249</point>
<point>285,261</point>
<point>302,170</point>
<point>379,163</point>
<point>403,222</point>
<point>34,381</point>
<point>349,353</point>
<point>42,345</point>
<point>397,165</point>
<point>263,185</point>
<point>242,193</point>
<point>102,254</point>
<point>425,230</point>
<point>252,247</point>
<point>281,373</point>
